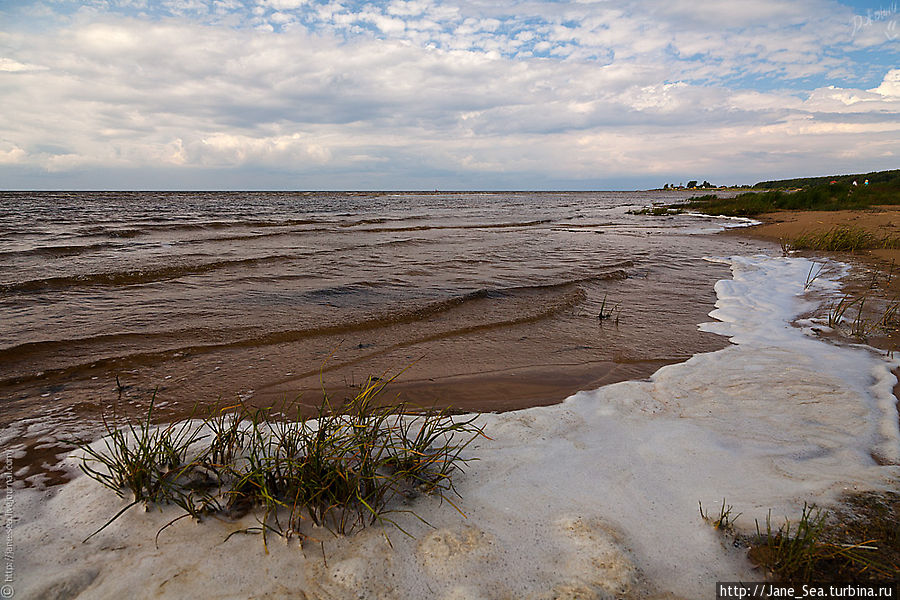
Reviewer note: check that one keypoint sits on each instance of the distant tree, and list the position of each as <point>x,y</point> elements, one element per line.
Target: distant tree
<point>707,184</point>
<point>665,187</point>
<point>692,184</point>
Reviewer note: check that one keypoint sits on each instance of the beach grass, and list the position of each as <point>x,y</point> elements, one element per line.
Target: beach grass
<point>724,521</point>
<point>346,469</point>
<point>608,311</point>
<point>843,238</point>
<point>861,315</point>
<point>858,540</point>
<point>815,271</point>
<point>141,458</point>
<point>827,547</point>
<point>790,551</point>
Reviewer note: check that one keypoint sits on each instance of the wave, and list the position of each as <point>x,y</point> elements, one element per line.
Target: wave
<point>587,225</point>
<point>58,251</point>
<point>239,237</point>
<point>530,303</point>
<point>124,233</point>
<point>380,220</point>
<point>151,275</point>
<point>263,223</point>
<point>462,226</point>
<point>28,351</point>
<point>131,277</point>
<point>129,230</point>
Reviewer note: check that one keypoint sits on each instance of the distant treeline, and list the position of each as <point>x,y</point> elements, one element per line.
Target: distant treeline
<point>836,192</point>
<point>802,182</point>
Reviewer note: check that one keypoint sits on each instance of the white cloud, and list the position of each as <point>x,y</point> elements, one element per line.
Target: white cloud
<point>283,4</point>
<point>890,87</point>
<point>226,5</point>
<point>225,149</point>
<point>181,7</point>
<point>10,154</point>
<point>8,65</point>
<point>445,87</point>
<point>386,24</point>
<point>408,8</point>
<point>281,18</point>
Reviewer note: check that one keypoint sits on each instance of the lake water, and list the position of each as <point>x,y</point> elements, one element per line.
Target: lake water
<point>489,301</point>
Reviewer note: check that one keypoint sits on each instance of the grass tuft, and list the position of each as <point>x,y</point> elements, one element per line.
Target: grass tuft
<point>844,239</point>
<point>141,458</point>
<point>608,311</point>
<point>342,471</point>
<point>812,276</point>
<point>790,551</point>
<point>850,316</point>
<point>807,550</point>
<point>724,521</point>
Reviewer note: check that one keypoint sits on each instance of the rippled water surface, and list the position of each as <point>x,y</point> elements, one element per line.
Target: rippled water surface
<point>492,300</point>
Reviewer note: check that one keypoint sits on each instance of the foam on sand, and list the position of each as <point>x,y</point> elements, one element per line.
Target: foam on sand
<point>593,498</point>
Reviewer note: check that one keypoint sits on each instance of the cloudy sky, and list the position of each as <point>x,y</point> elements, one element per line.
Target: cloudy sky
<point>449,94</point>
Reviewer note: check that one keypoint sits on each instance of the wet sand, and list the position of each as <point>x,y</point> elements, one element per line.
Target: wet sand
<point>495,391</point>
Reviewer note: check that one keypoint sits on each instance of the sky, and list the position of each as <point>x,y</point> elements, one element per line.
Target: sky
<point>434,94</point>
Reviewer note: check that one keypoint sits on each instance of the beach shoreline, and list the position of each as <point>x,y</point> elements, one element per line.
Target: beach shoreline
<point>680,428</point>
<point>482,303</point>
<point>873,271</point>
<point>784,226</point>
<point>701,430</point>
<point>267,296</point>
<point>522,379</point>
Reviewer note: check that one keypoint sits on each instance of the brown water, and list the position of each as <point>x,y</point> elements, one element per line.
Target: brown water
<point>489,300</point>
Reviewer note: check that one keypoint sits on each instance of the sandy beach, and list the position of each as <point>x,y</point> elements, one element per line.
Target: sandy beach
<point>437,300</point>
<point>784,226</point>
<point>875,270</point>
<point>593,497</point>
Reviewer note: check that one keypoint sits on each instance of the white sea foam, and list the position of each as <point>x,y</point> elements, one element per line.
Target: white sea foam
<point>595,497</point>
<point>716,223</point>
